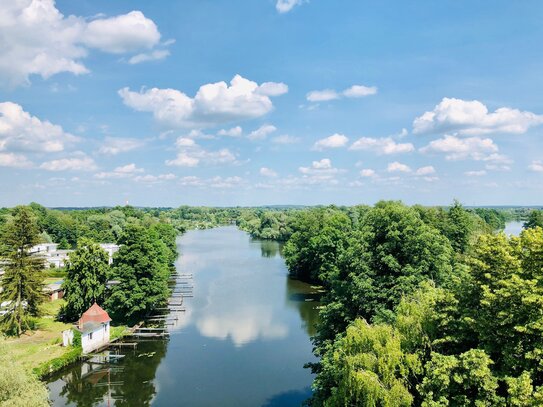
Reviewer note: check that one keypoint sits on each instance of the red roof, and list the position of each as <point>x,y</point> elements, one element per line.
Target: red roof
<point>94,314</point>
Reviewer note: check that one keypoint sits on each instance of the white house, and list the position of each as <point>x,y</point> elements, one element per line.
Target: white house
<point>94,328</point>
<point>44,248</point>
<point>111,249</point>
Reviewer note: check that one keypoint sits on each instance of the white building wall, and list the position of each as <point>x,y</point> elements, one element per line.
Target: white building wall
<point>100,337</point>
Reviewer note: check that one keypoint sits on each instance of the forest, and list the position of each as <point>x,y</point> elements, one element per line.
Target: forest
<point>423,306</point>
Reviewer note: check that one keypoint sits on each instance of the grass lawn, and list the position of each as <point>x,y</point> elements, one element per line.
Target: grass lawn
<point>41,345</point>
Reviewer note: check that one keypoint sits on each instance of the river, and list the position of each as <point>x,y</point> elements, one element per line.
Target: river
<point>242,341</point>
<point>513,228</point>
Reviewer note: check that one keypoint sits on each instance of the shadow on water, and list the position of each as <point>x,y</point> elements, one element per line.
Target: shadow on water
<point>289,398</point>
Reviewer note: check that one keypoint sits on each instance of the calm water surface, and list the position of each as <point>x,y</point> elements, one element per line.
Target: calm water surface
<point>242,341</point>
<point>513,228</point>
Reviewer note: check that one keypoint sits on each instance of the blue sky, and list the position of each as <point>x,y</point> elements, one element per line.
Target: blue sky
<point>211,102</point>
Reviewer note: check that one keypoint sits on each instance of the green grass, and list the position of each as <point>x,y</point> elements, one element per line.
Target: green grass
<point>41,345</point>
<point>117,332</point>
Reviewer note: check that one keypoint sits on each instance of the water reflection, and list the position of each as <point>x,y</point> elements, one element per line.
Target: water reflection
<point>305,299</point>
<point>243,340</point>
<point>270,248</point>
<point>105,382</point>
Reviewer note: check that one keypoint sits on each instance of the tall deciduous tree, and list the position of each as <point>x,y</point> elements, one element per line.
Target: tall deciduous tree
<point>87,273</point>
<point>141,267</point>
<point>534,219</point>
<point>23,280</point>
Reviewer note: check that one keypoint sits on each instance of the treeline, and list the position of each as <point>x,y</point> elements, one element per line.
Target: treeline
<point>424,306</point>
<point>135,284</point>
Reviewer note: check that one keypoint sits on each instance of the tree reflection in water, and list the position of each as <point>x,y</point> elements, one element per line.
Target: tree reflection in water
<point>300,295</point>
<point>129,382</point>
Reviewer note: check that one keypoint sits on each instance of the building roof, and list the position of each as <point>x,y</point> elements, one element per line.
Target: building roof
<point>94,315</point>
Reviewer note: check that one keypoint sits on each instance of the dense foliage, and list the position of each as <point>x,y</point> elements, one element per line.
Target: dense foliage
<point>140,273</point>
<point>424,306</point>
<point>22,283</point>
<point>87,272</point>
<point>17,387</point>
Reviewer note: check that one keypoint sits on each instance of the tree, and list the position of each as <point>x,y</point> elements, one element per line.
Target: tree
<point>318,238</point>
<point>459,228</point>
<point>141,267</point>
<point>23,280</point>
<point>534,219</point>
<point>367,367</point>
<point>17,387</point>
<point>392,253</point>
<point>457,381</point>
<point>503,301</point>
<point>87,274</point>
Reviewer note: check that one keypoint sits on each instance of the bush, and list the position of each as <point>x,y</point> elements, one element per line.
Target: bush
<point>56,364</point>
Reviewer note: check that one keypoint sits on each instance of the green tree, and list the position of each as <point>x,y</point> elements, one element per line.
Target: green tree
<point>23,280</point>
<point>504,300</point>
<point>87,274</point>
<point>534,219</point>
<point>141,268</point>
<point>459,227</point>
<point>392,253</point>
<point>367,368</point>
<point>18,388</point>
<point>319,236</point>
<point>457,381</point>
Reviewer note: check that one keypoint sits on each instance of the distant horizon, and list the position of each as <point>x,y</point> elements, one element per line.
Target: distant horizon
<point>281,206</point>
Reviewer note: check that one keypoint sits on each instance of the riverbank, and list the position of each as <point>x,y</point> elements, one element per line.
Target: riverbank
<point>41,345</point>
<point>40,351</point>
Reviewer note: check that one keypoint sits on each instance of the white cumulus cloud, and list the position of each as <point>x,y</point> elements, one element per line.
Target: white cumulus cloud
<point>213,104</point>
<point>333,141</point>
<point>125,171</point>
<point>284,6</point>
<point>427,170</point>
<point>37,39</point>
<point>21,131</point>
<point>191,154</point>
<point>384,145</point>
<point>457,148</point>
<point>398,167</point>
<point>233,132</point>
<point>70,164</point>
<point>262,132</point>
<point>267,172</point>
<point>355,91</point>
<point>155,55</point>
<point>359,91</point>
<point>14,160</point>
<point>471,118</point>
<point>154,179</point>
<point>536,166</point>
<point>117,145</point>
<point>367,173</point>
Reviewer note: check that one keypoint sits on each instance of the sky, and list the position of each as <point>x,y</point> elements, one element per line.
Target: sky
<point>270,102</point>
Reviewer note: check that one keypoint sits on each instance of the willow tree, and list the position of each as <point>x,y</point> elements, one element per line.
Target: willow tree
<point>87,273</point>
<point>23,280</point>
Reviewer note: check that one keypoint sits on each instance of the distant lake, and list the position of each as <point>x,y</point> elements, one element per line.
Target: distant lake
<point>513,228</point>
<point>242,341</point>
